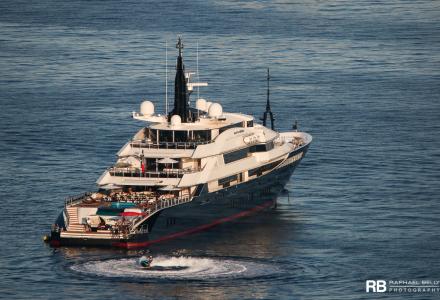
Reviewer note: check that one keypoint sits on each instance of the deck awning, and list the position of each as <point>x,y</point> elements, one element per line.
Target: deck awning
<point>110,186</point>
<point>167,160</point>
<point>169,188</point>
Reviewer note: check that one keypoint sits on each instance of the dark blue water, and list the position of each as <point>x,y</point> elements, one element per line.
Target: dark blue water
<point>363,77</point>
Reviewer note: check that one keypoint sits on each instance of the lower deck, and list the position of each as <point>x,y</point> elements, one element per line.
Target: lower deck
<point>115,215</point>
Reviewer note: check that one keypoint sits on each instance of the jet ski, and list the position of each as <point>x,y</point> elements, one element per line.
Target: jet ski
<point>145,262</point>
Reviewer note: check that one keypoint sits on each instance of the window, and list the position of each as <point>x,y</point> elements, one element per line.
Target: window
<point>262,147</point>
<point>165,135</point>
<point>151,134</point>
<point>250,123</point>
<point>202,135</point>
<point>258,148</point>
<point>235,155</point>
<point>225,182</point>
<point>243,153</point>
<point>269,146</point>
<point>180,136</point>
<point>236,125</point>
<point>151,164</point>
<point>260,170</point>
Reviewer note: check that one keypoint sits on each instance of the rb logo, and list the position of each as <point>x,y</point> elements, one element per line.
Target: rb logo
<point>376,286</point>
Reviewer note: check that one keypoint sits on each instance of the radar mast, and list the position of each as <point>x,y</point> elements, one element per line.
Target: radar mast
<point>181,107</point>
<point>268,110</point>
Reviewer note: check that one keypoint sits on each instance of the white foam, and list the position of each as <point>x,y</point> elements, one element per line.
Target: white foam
<point>197,268</point>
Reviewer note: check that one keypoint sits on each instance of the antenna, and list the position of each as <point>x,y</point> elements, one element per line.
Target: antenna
<point>268,110</point>
<point>198,77</point>
<point>166,78</point>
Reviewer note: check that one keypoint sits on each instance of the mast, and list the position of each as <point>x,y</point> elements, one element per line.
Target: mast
<point>166,77</point>
<point>268,110</point>
<point>180,89</point>
<point>198,77</point>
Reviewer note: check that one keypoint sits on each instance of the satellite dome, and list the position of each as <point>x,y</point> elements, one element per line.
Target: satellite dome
<point>176,120</point>
<point>207,105</point>
<point>215,110</point>
<point>201,104</point>
<point>147,108</point>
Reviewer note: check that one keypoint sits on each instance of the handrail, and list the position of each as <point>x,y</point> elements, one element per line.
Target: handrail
<point>167,145</point>
<point>164,203</point>
<point>67,218</point>
<point>173,173</point>
<point>71,200</point>
<point>76,198</point>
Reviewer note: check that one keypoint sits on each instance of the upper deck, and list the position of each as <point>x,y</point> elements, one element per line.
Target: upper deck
<point>175,140</point>
<point>205,122</point>
<point>193,145</point>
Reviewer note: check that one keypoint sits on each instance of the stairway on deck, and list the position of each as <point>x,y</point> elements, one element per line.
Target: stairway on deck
<point>74,225</point>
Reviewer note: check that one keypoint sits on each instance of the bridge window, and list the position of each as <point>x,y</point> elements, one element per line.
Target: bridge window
<point>269,146</point>
<point>250,123</point>
<point>235,155</point>
<point>181,136</point>
<point>262,147</point>
<point>243,153</point>
<point>260,170</point>
<point>236,125</point>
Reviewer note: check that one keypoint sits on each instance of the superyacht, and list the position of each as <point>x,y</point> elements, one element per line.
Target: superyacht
<point>183,172</point>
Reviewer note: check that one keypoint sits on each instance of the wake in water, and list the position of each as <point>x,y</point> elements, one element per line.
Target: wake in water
<point>169,267</point>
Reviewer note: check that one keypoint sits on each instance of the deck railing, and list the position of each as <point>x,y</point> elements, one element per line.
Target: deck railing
<point>131,227</point>
<point>296,141</point>
<point>67,220</point>
<point>170,173</point>
<point>76,199</point>
<point>167,145</point>
<point>163,204</point>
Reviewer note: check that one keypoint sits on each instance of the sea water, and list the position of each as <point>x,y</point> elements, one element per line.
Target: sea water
<point>363,77</point>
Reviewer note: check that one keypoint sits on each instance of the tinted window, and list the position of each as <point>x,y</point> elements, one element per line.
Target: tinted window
<point>152,134</point>
<point>231,126</point>
<point>269,146</point>
<point>227,180</point>
<point>165,136</point>
<point>235,155</point>
<point>259,171</point>
<point>180,136</point>
<point>202,135</point>
<point>262,147</point>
